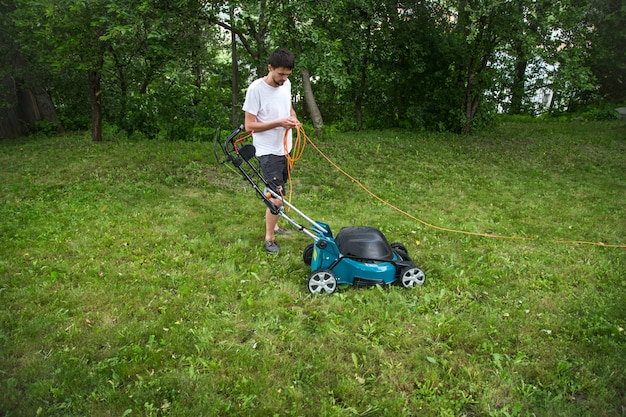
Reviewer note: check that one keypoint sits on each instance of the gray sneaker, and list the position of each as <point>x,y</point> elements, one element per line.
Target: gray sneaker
<point>271,247</point>
<point>282,231</point>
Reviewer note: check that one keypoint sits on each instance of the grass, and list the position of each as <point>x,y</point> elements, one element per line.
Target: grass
<point>134,281</point>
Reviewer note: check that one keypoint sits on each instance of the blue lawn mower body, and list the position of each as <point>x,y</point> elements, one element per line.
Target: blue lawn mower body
<point>358,255</point>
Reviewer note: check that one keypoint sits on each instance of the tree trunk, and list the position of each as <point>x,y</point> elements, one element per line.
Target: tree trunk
<point>470,112</point>
<point>358,112</point>
<point>119,66</point>
<point>358,101</point>
<point>474,89</point>
<point>234,97</point>
<point>314,111</point>
<point>471,102</point>
<point>95,97</point>
<point>519,80</point>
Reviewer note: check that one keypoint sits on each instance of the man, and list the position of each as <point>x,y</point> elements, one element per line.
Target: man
<point>269,115</point>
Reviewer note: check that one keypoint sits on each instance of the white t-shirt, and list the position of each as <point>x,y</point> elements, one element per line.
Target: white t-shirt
<point>269,103</point>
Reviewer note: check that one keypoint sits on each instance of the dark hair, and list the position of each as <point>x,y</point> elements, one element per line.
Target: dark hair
<point>282,58</point>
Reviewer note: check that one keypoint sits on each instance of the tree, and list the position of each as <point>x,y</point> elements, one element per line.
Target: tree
<point>417,57</point>
<point>260,28</point>
<point>24,101</point>
<point>481,28</point>
<point>301,21</point>
<point>566,50</point>
<point>521,47</point>
<point>234,84</point>
<point>70,32</point>
<point>147,65</point>
<point>169,69</point>
<point>518,71</point>
<point>159,66</point>
<point>247,22</point>
<point>607,58</point>
<point>362,21</point>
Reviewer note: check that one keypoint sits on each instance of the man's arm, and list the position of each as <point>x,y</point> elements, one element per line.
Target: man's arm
<point>253,125</point>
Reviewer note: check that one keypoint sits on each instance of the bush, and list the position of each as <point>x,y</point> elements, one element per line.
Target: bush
<point>599,112</point>
<point>47,127</point>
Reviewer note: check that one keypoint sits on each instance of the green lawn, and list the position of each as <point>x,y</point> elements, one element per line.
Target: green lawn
<point>133,279</point>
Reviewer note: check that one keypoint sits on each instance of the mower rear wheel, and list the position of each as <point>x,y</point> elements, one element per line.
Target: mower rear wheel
<point>402,255</point>
<point>322,280</point>
<point>307,255</point>
<point>412,276</point>
<point>401,251</point>
<point>398,245</point>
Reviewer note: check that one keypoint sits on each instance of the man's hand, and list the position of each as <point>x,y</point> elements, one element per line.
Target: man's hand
<point>290,123</point>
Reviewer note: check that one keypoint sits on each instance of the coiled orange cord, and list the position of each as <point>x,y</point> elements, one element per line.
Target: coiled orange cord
<point>297,149</point>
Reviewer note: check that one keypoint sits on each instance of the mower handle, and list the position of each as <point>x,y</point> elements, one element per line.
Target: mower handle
<point>230,138</point>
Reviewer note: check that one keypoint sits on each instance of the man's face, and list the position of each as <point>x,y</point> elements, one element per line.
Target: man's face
<point>279,75</point>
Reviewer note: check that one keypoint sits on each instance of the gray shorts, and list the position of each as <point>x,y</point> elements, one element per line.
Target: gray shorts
<point>275,170</point>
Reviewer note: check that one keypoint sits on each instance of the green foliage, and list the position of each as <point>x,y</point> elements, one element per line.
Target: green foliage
<point>45,127</point>
<point>603,112</point>
<point>152,57</point>
<point>606,58</point>
<point>171,115</point>
<point>439,66</point>
<point>133,280</point>
<point>597,112</point>
<point>67,91</point>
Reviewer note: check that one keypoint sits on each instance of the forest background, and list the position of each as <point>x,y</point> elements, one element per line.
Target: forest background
<point>178,69</point>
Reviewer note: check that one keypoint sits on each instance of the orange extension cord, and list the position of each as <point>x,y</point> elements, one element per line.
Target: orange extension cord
<point>298,149</point>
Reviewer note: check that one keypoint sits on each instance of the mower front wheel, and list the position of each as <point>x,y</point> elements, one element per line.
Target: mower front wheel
<point>412,276</point>
<point>322,280</point>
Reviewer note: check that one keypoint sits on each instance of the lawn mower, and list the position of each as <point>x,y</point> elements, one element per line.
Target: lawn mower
<point>358,255</point>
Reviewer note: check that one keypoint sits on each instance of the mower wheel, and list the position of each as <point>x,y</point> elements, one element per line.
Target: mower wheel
<point>400,250</point>
<point>307,255</point>
<point>322,280</point>
<point>412,276</point>
<point>399,246</point>
<point>402,255</point>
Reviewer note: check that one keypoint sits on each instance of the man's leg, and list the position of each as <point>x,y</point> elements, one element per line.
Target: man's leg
<point>274,170</point>
<point>270,225</point>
